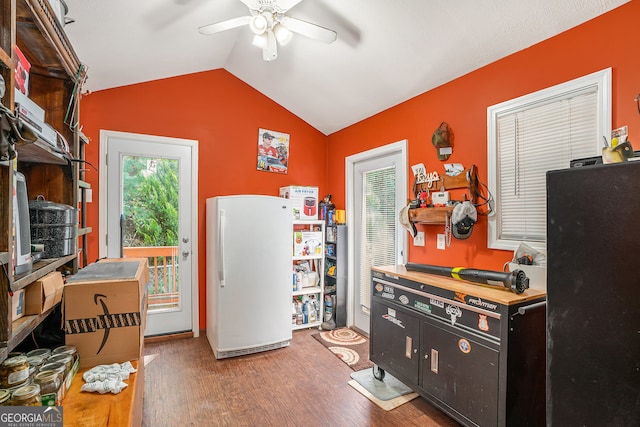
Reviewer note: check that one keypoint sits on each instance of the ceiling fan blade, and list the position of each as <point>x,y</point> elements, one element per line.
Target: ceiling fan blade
<point>270,51</point>
<point>224,25</point>
<point>310,30</point>
<point>252,4</point>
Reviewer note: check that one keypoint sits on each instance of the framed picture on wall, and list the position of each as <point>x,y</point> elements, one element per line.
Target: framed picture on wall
<point>273,151</point>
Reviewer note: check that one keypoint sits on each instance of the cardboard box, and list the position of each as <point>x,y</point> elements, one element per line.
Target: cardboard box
<point>104,307</point>
<point>27,108</point>
<point>43,294</point>
<point>23,67</point>
<point>304,201</point>
<point>307,243</point>
<point>17,305</point>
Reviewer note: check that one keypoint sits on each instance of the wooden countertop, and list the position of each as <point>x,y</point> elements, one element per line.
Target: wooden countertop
<point>82,409</point>
<point>500,295</point>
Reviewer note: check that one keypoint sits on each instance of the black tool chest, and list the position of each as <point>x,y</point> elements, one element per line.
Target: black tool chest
<point>476,352</point>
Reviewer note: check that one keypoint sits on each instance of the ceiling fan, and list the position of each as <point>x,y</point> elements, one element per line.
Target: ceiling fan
<point>271,26</point>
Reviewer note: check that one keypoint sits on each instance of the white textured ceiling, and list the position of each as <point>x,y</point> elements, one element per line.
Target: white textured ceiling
<point>387,50</point>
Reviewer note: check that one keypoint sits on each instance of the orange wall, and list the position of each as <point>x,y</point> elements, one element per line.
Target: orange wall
<point>224,115</point>
<point>607,41</point>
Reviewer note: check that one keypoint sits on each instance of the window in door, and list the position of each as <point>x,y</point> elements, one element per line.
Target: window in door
<point>378,224</point>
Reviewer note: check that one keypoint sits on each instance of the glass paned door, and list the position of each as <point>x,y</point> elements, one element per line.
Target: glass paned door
<point>377,189</point>
<point>378,227</point>
<point>149,202</point>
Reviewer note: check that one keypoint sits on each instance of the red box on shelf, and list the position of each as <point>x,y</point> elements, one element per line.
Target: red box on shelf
<point>23,67</point>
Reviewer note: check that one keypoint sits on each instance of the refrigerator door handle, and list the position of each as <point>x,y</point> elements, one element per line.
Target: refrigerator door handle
<point>221,227</point>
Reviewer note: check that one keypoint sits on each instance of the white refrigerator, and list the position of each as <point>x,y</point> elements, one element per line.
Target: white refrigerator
<point>249,274</point>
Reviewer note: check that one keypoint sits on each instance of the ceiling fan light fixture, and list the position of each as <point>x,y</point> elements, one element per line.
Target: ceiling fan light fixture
<point>258,24</point>
<point>260,40</point>
<point>283,34</point>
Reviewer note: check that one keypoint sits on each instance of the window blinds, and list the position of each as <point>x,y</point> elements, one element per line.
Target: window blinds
<point>532,140</point>
<point>378,227</point>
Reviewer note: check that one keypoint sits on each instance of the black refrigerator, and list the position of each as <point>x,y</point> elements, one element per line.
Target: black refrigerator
<point>593,296</point>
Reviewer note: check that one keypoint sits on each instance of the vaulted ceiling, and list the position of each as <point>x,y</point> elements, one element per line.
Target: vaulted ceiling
<point>386,51</point>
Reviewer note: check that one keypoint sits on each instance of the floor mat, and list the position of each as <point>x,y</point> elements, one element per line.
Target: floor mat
<point>348,345</point>
<point>387,394</point>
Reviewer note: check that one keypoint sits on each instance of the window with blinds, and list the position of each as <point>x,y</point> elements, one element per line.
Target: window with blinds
<point>533,134</point>
<point>378,227</point>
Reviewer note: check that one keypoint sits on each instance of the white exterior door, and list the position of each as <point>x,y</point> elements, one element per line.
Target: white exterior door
<point>376,191</point>
<point>150,211</point>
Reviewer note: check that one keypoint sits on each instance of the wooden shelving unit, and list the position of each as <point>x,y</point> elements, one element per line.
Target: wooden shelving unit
<point>438,215</point>
<point>55,81</point>
<point>40,269</point>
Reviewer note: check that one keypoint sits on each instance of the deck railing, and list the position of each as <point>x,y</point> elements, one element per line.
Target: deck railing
<point>163,268</point>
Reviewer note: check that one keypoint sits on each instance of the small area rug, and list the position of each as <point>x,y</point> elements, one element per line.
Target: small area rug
<point>387,394</point>
<point>348,345</point>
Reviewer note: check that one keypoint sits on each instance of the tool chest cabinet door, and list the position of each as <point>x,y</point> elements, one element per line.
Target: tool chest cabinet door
<point>395,336</point>
<point>460,371</point>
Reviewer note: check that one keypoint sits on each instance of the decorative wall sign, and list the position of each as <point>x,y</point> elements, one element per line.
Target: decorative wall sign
<point>273,151</point>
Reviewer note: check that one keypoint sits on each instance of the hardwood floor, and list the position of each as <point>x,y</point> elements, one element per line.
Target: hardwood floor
<point>301,385</point>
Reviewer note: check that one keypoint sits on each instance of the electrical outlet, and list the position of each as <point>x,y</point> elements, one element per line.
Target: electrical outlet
<point>419,239</point>
<point>441,244</point>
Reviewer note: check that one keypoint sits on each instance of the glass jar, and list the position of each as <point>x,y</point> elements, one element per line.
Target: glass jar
<point>34,364</point>
<point>11,390</point>
<point>44,352</point>
<point>65,359</point>
<point>14,371</point>
<point>49,382</point>
<point>5,395</point>
<point>28,395</point>
<point>56,367</point>
<point>67,349</point>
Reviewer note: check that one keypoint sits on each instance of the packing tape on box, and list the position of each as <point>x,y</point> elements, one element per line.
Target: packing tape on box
<point>103,321</point>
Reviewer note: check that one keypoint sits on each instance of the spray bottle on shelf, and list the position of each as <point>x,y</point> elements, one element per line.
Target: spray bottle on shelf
<point>305,311</point>
<point>299,315</point>
<point>294,313</point>
<point>311,308</point>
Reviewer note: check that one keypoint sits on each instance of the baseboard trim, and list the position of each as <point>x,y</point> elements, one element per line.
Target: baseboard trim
<point>169,337</point>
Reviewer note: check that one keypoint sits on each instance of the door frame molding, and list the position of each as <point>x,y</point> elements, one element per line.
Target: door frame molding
<point>105,135</point>
<point>401,184</point>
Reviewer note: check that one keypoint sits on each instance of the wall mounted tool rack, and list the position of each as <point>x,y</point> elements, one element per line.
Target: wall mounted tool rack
<point>468,179</point>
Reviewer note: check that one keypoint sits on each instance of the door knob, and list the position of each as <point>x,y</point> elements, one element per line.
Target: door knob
<point>185,254</point>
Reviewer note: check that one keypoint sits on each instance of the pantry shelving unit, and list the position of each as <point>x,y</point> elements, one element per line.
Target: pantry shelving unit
<point>314,255</point>
<point>55,81</point>
<point>336,278</point>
